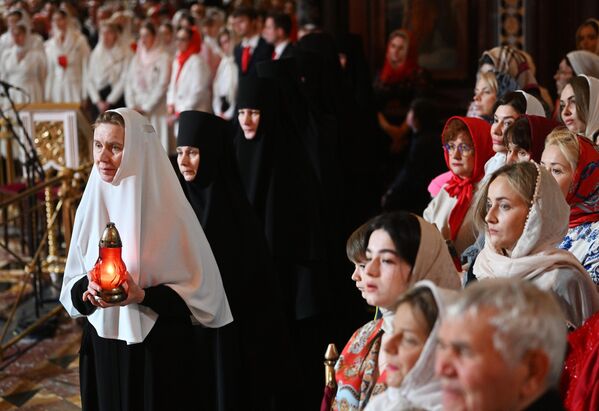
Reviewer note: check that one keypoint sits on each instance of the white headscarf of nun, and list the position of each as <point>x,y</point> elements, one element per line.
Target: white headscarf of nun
<point>163,242</point>
<point>592,130</point>
<point>584,62</point>
<point>533,105</point>
<point>420,389</point>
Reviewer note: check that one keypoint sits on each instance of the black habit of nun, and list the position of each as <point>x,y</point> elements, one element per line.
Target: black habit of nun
<point>237,240</point>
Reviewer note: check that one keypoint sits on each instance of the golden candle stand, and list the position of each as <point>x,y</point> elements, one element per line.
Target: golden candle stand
<point>62,139</point>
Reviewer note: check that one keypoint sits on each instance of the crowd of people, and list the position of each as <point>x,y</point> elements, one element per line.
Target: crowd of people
<point>473,240</point>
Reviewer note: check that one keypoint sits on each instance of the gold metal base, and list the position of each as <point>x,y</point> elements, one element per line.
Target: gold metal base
<point>115,295</point>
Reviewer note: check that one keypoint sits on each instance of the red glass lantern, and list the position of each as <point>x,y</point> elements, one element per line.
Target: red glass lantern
<point>110,271</point>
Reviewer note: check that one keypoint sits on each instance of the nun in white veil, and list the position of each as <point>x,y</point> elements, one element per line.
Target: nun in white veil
<point>140,352</point>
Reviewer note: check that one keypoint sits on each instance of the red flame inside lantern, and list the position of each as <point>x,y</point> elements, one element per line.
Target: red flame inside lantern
<point>109,271</point>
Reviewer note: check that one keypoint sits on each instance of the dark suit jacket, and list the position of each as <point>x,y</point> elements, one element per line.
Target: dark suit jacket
<point>287,51</point>
<point>262,52</point>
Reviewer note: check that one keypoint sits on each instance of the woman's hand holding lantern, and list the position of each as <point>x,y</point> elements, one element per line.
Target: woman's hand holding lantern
<point>135,294</point>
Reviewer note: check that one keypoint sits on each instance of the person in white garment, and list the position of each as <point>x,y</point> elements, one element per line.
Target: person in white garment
<point>14,17</point>
<point>166,37</point>
<point>124,19</point>
<point>108,65</point>
<point>147,82</point>
<point>172,278</point>
<point>67,53</point>
<point>224,88</point>
<point>23,67</point>
<point>211,51</point>
<point>189,87</point>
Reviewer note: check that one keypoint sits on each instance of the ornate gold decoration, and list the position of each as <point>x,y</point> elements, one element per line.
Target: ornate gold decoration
<point>49,142</point>
<point>330,358</point>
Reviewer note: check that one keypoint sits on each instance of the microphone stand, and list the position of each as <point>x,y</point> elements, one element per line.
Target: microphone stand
<point>33,172</point>
<point>32,163</point>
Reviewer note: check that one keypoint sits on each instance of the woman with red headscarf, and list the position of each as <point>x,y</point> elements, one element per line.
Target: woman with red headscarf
<point>467,148</point>
<point>189,88</point>
<point>400,60</point>
<point>574,162</point>
<point>400,80</point>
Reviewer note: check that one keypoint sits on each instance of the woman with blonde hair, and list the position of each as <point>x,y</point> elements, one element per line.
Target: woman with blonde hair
<point>574,163</point>
<point>524,216</point>
<point>485,96</point>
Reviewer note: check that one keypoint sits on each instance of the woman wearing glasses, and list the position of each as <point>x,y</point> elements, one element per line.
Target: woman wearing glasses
<point>467,148</point>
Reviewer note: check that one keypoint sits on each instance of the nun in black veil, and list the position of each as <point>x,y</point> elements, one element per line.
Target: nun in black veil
<point>240,365</point>
<point>281,165</point>
<point>283,187</point>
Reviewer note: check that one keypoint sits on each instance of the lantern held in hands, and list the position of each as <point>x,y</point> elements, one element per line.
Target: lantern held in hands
<point>110,271</point>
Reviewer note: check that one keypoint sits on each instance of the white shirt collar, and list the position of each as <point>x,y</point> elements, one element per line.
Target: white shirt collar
<point>252,42</point>
<point>279,49</point>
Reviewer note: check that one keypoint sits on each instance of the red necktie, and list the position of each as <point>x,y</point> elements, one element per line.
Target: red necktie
<point>245,59</point>
<point>274,55</point>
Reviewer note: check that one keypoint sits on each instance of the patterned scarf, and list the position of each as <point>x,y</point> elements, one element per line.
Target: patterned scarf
<point>583,195</point>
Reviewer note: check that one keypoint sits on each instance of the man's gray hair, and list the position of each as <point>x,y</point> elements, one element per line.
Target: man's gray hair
<point>526,318</point>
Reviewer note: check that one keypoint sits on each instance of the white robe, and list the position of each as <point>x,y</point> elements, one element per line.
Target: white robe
<point>148,92</point>
<point>35,41</point>
<point>225,85</point>
<point>67,85</point>
<point>28,74</point>
<point>107,67</point>
<point>211,54</point>
<point>192,90</point>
